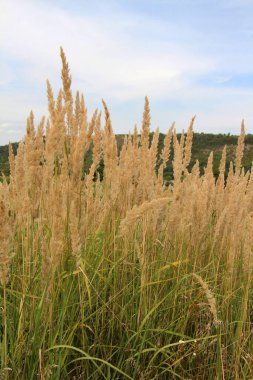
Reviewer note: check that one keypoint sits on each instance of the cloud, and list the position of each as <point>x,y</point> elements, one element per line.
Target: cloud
<point>123,51</point>
<point>101,50</point>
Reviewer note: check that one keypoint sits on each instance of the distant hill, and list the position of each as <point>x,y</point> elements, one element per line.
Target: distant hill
<point>203,144</point>
<point>4,154</point>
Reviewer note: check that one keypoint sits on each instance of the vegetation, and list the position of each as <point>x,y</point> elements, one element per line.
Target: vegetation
<point>203,144</point>
<point>109,272</point>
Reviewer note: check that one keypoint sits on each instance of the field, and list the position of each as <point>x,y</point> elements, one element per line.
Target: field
<point>109,271</point>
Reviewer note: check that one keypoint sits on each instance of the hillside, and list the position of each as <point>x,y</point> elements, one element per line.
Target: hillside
<point>203,144</point>
<point>4,153</point>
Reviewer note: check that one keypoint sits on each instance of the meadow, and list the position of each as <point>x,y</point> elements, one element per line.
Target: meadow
<point>112,272</point>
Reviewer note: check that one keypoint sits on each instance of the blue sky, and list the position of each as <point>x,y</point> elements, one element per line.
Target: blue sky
<point>189,56</point>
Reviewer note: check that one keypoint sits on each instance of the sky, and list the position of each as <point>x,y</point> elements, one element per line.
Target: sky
<point>190,57</point>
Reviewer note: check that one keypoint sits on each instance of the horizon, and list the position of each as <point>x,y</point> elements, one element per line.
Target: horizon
<point>187,57</point>
<point>164,134</point>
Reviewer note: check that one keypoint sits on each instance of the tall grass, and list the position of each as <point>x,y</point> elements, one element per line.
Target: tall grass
<point>119,276</point>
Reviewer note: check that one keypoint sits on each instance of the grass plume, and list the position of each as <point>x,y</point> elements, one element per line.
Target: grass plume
<point>105,267</point>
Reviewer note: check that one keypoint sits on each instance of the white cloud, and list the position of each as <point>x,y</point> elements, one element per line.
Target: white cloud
<point>119,55</point>
<point>99,49</point>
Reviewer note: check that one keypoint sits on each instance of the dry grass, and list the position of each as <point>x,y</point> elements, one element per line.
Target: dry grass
<point>97,273</point>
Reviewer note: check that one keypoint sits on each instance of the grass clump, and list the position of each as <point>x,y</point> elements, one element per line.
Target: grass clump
<point>122,276</point>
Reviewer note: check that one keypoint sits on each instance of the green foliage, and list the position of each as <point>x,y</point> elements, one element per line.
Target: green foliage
<point>203,144</point>
<point>4,158</point>
<point>86,323</point>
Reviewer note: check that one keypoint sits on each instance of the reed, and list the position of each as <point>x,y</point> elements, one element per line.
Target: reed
<point>116,274</point>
